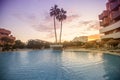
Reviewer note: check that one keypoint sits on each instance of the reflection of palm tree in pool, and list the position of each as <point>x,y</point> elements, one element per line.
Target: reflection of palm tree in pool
<point>60,15</point>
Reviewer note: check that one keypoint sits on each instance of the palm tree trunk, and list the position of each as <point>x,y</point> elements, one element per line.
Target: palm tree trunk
<point>61,32</point>
<point>55,31</point>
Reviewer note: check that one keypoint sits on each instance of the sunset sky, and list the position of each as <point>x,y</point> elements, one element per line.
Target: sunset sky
<point>29,19</point>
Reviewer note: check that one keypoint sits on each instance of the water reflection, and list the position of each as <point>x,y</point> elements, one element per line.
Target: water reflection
<point>112,67</point>
<point>24,58</point>
<point>58,65</point>
<point>84,65</point>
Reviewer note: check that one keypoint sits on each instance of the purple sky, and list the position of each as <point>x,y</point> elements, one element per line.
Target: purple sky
<point>29,19</point>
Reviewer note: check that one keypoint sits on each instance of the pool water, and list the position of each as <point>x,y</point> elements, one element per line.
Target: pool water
<point>58,65</point>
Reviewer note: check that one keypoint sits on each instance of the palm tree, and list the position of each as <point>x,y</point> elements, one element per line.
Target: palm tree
<point>54,11</point>
<point>62,16</point>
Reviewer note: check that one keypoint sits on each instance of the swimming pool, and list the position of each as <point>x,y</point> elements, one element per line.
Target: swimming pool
<point>58,65</point>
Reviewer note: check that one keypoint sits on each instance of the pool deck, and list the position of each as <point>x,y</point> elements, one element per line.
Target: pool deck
<point>114,52</point>
<point>16,50</point>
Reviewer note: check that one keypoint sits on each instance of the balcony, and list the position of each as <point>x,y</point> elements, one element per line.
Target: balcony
<point>111,0</point>
<point>114,5</point>
<point>101,23</point>
<point>106,21</point>
<point>4,31</point>
<point>108,6</point>
<point>115,15</point>
<point>100,17</point>
<point>112,35</point>
<point>11,37</point>
<point>119,2</point>
<point>110,27</point>
<point>103,15</point>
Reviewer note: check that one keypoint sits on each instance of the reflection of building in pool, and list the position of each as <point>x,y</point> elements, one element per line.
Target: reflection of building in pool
<point>112,67</point>
<point>6,37</point>
<point>110,20</point>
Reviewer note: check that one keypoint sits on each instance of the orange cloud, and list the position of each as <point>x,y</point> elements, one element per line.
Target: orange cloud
<point>94,37</point>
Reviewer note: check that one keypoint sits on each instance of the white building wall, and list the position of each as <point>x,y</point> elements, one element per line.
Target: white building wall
<point>113,35</point>
<point>110,27</point>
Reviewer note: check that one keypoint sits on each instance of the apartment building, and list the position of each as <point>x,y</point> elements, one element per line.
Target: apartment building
<point>7,34</point>
<point>81,39</point>
<point>110,20</point>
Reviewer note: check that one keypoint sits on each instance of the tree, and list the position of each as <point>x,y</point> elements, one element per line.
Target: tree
<point>54,11</point>
<point>112,43</point>
<point>19,44</point>
<point>35,44</point>
<point>61,16</point>
<point>7,43</point>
